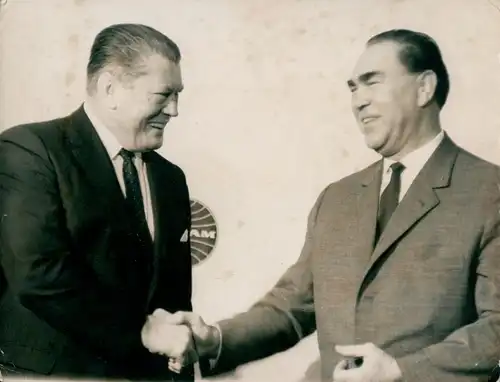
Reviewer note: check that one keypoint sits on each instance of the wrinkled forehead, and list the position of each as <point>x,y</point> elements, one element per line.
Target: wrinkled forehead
<point>380,57</point>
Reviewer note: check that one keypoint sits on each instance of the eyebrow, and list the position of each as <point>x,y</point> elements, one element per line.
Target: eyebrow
<point>171,90</point>
<point>364,78</point>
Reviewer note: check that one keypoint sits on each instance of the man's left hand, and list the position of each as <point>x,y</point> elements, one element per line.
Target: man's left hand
<point>377,365</point>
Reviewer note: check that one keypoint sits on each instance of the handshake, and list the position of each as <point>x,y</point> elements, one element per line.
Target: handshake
<point>183,337</point>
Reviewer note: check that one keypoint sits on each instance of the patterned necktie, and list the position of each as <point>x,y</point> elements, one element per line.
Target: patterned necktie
<point>390,198</point>
<point>133,191</point>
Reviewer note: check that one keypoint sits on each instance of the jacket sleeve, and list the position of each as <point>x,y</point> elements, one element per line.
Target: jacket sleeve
<point>278,321</point>
<point>471,352</point>
<point>37,257</point>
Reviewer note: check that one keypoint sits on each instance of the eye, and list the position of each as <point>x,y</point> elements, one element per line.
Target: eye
<point>164,95</point>
<point>162,99</point>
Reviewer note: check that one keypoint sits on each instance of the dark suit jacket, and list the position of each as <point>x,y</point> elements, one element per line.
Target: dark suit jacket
<point>495,374</point>
<point>79,282</point>
<point>428,293</point>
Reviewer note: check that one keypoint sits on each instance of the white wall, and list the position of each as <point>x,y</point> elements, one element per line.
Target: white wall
<point>265,119</point>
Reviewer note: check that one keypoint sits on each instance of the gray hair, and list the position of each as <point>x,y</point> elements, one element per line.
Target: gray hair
<point>125,46</point>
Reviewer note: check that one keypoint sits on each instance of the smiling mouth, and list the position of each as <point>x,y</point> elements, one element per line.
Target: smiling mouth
<point>368,119</point>
<point>158,125</point>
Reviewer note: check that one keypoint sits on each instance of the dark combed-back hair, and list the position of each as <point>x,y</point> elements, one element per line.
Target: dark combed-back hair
<point>125,45</point>
<point>419,52</point>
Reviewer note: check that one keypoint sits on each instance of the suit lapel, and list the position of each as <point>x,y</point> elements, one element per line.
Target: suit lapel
<point>366,210</point>
<point>158,204</point>
<point>96,166</point>
<point>420,198</point>
<point>164,204</point>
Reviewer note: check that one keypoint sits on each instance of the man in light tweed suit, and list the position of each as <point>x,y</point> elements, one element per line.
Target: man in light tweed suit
<point>400,270</point>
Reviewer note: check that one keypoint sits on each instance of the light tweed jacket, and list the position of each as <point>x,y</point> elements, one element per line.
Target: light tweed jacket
<point>428,292</point>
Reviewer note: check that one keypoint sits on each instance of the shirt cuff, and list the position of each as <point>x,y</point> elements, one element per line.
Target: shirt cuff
<point>213,361</point>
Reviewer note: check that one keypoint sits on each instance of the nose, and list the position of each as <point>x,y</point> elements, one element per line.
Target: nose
<point>360,99</point>
<point>171,107</point>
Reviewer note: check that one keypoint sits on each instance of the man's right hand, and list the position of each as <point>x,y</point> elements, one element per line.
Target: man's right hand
<point>162,336</point>
<point>180,335</point>
<point>207,337</point>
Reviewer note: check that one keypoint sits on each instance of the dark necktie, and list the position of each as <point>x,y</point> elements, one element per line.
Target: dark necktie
<point>133,192</point>
<point>390,198</point>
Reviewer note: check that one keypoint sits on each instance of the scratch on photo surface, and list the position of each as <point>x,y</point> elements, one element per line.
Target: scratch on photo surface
<point>3,3</point>
<point>495,4</point>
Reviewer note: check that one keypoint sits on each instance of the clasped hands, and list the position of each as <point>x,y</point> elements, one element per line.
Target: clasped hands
<point>183,337</point>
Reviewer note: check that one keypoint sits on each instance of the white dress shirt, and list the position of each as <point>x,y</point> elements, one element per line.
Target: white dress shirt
<point>113,147</point>
<point>413,162</point>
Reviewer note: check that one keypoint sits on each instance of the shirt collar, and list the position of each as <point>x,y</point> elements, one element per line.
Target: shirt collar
<point>107,138</point>
<point>416,160</point>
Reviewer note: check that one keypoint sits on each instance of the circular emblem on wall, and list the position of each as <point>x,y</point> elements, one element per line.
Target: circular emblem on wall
<point>203,232</point>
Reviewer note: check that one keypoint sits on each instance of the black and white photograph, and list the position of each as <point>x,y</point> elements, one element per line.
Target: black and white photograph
<point>250,190</point>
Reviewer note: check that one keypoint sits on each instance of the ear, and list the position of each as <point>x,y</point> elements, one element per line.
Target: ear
<point>107,88</point>
<point>427,87</point>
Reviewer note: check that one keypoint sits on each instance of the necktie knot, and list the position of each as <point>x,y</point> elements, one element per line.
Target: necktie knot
<point>397,168</point>
<point>126,154</point>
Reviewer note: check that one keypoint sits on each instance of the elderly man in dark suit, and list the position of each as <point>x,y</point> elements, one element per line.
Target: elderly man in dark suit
<point>400,271</point>
<point>94,230</point>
